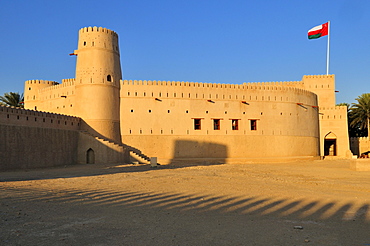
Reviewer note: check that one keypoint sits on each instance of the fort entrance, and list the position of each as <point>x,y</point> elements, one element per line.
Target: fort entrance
<point>330,144</point>
<point>90,156</point>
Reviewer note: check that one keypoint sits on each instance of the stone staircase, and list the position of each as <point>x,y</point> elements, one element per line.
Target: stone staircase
<point>134,154</point>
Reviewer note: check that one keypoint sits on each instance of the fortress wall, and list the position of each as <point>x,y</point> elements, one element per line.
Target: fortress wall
<point>224,149</point>
<point>34,147</point>
<point>57,98</point>
<point>166,111</point>
<point>31,92</point>
<point>360,146</point>
<point>333,120</point>
<point>25,117</point>
<point>33,139</point>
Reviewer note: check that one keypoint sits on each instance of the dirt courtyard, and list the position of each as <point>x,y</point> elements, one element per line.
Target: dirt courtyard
<point>296,203</point>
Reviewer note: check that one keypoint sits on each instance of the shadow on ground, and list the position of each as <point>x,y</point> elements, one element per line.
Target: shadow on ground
<point>106,217</point>
<point>87,170</point>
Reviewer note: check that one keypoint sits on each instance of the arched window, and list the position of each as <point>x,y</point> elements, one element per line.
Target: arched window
<point>109,78</point>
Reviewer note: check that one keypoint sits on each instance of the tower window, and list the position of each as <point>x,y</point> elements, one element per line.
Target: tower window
<point>109,78</point>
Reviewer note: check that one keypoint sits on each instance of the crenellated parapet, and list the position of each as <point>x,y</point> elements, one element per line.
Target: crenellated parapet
<point>32,88</point>
<point>333,113</point>
<point>97,29</point>
<point>335,108</point>
<point>40,82</point>
<point>359,139</point>
<point>97,37</point>
<point>214,85</point>
<point>66,83</point>
<point>319,76</point>
<point>292,86</point>
<point>276,83</point>
<point>26,117</point>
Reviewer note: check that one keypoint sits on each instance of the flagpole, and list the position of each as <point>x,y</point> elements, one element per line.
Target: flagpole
<point>327,50</point>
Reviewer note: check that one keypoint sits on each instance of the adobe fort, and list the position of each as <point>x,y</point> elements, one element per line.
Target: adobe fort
<point>99,118</point>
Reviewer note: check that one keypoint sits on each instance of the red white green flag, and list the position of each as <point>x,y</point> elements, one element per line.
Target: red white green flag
<point>318,31</point>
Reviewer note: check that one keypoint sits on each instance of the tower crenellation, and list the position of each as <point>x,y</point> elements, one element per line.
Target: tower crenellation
<point>98,37</point>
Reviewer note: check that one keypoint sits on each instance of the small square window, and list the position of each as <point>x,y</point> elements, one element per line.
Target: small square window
<point>197,124</point>
<point>253,125</point>
<point>235,124</point>
<point>216,124</point>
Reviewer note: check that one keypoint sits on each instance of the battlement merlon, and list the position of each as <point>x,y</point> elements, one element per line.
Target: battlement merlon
<point>263,86</point>
<point>97,29</point>
<point>319,76</point>
<point>38,82</point>
<point>32,87</point>
<point>93,38</point>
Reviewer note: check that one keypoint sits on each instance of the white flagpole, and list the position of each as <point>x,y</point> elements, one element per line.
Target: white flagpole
<point>327,51</point>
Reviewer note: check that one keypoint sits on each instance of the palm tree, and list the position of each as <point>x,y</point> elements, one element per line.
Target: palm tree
<point>12,99</point>
<point>360,113</point>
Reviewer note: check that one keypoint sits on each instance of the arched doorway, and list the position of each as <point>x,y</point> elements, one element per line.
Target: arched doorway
<point>330,144</point>
<point>90,156</point>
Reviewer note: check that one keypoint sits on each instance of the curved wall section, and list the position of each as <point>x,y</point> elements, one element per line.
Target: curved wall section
<point>174,120</point>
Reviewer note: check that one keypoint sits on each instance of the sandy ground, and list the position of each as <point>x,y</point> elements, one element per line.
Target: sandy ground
<point>300,203</point>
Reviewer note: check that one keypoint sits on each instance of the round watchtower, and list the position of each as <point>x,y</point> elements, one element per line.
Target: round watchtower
<point>98,75</point>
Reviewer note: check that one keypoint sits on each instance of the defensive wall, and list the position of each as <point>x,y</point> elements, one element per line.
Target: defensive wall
<point>50,96</point>
<point>273,120</point>
<point>208,101</point>
<point>360,146</point>
<point>33,139</point>
<point>31,118</point>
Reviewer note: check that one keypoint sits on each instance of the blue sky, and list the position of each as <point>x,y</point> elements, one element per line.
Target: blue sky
<point>217,41</point>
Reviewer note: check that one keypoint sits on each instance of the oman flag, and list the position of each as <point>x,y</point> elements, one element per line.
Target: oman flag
<point>318,31</point>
